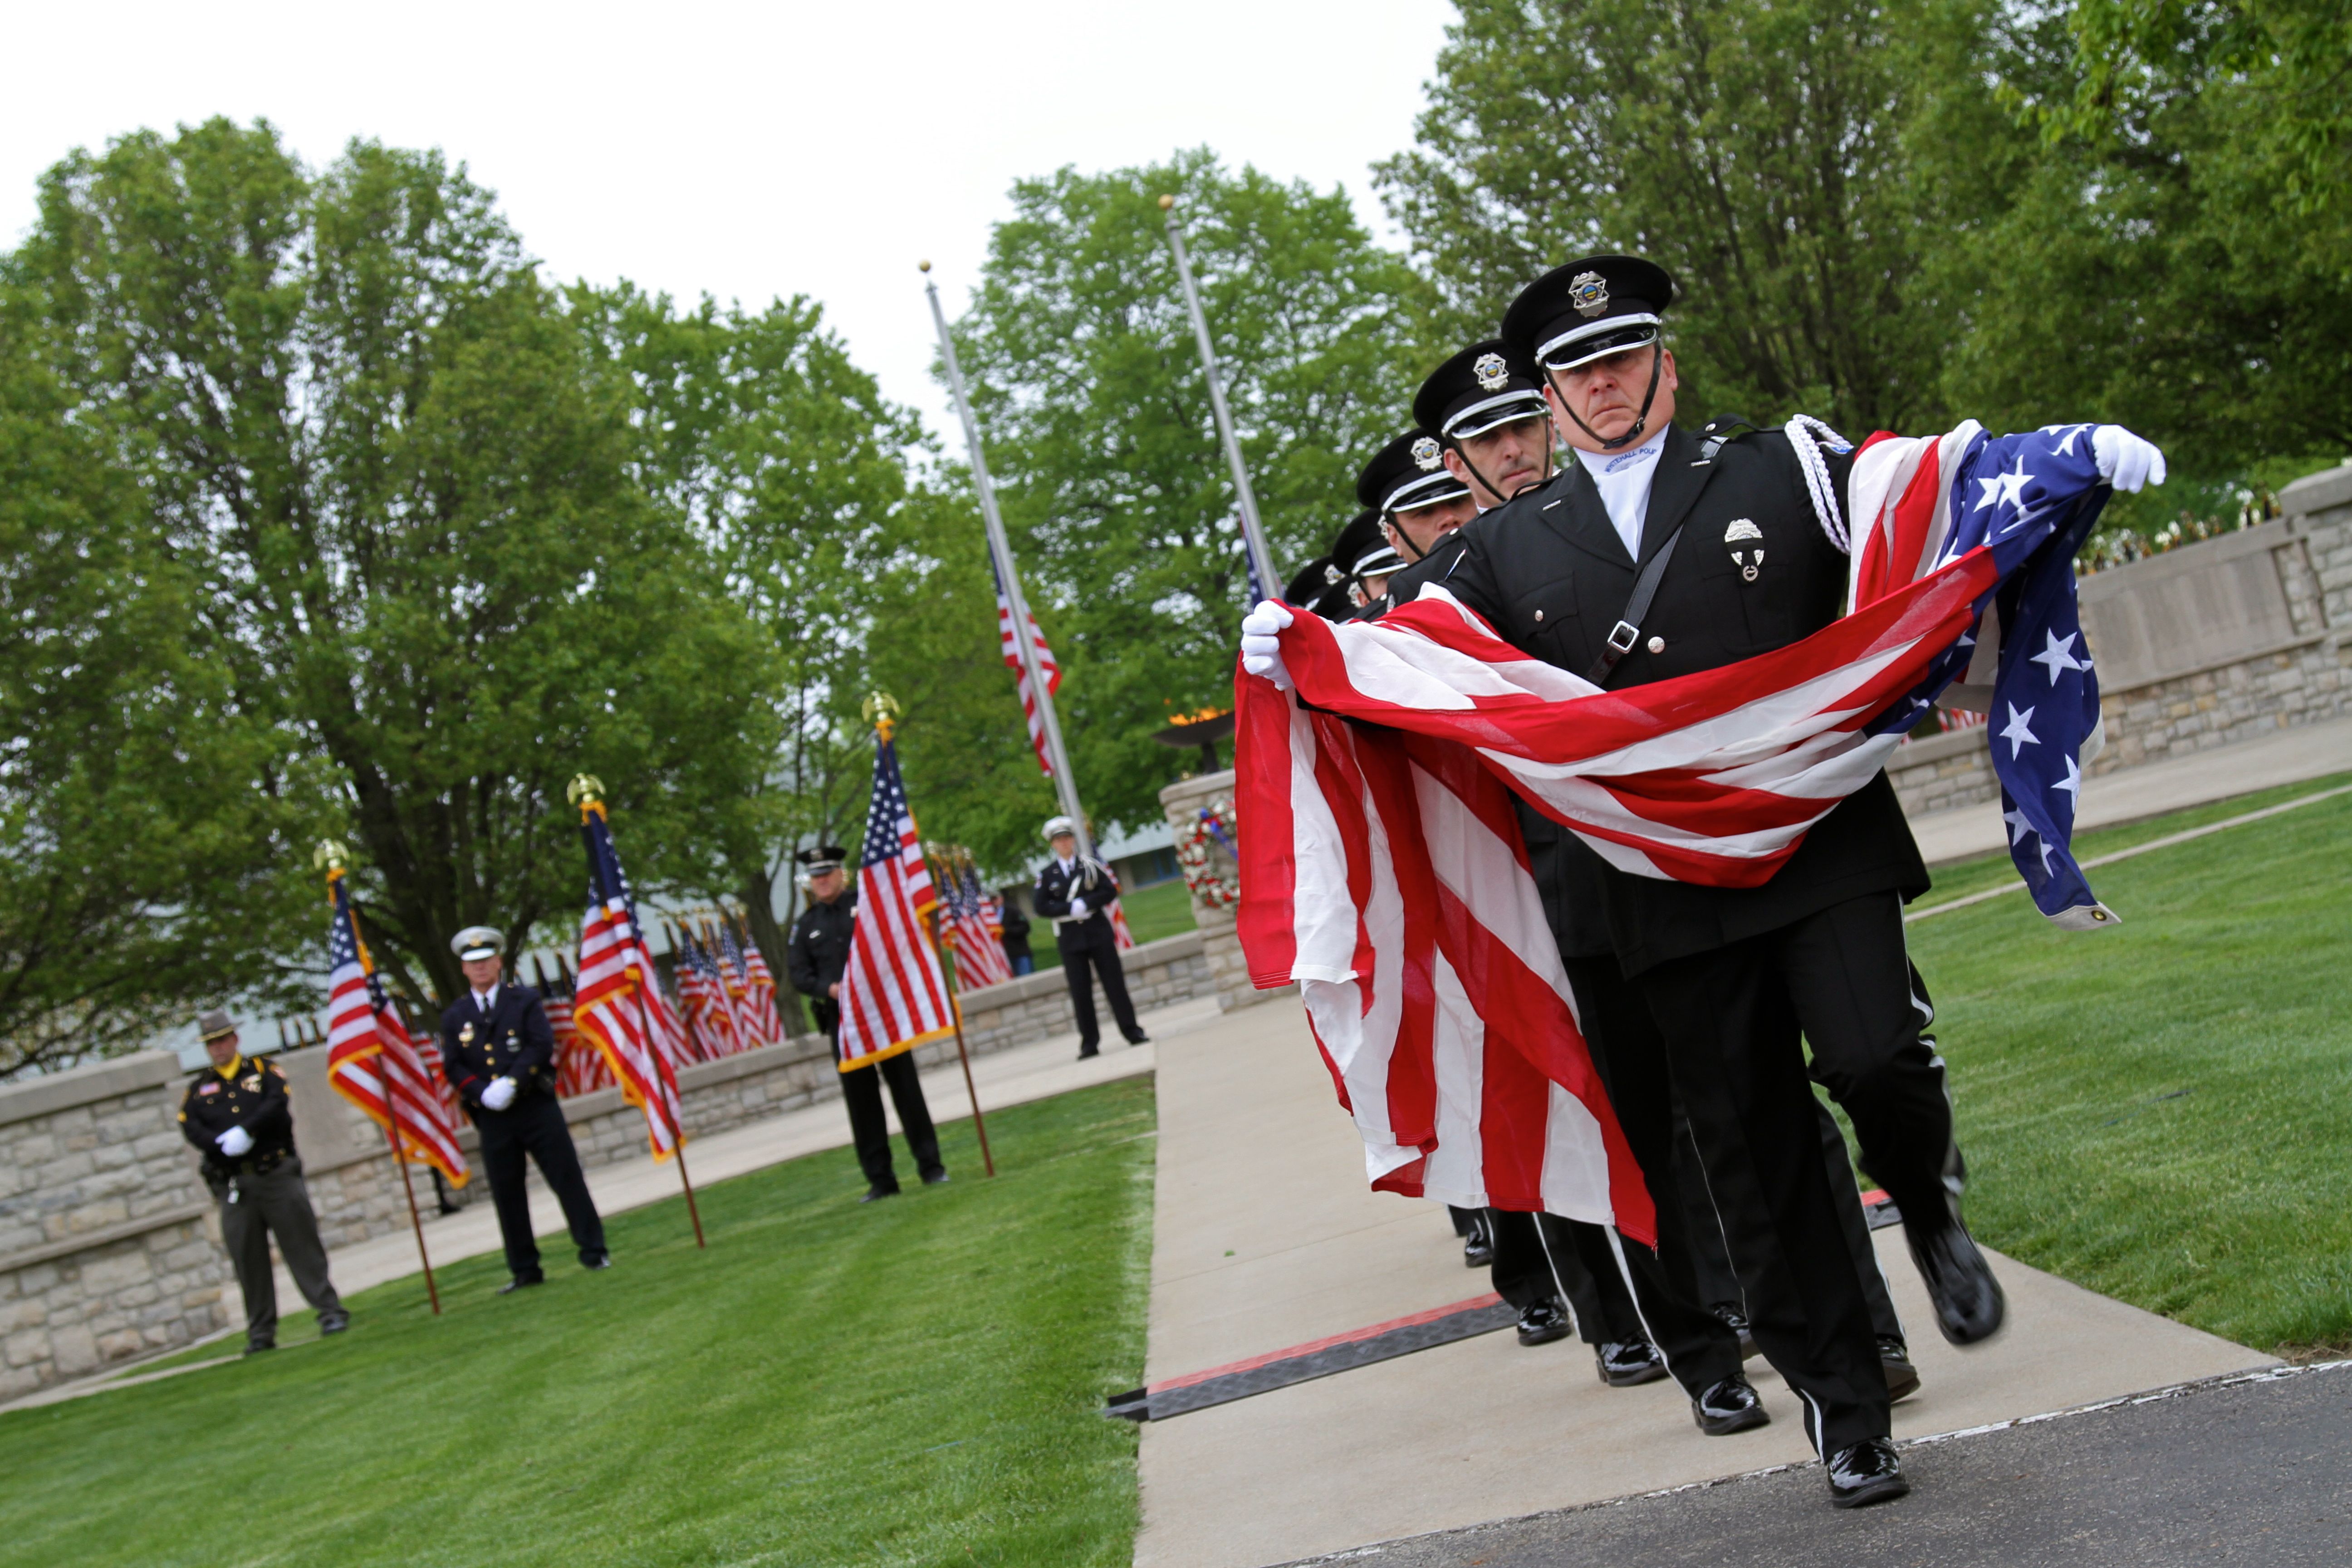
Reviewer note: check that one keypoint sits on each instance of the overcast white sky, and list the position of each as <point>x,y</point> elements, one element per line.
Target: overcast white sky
<point>748,151</point>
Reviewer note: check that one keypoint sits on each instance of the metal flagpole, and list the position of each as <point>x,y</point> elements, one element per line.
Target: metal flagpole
<point>1253,530</point>
<point>1000,549</point>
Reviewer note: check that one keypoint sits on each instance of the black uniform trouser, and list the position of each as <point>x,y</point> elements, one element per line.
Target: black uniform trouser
<point>533,1126</point>
<point>1540,1256</point>
<point>861,1090</point>
<point>1101,954</point>
<point>272,1203</point>
<point>1718,1284</point>
<point>1735,1020</point>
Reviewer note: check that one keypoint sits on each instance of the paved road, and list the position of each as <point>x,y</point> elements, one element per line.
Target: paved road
<point>2249,1471</point>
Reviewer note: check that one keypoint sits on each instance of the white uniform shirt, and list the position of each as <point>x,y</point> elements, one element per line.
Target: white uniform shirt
<point>1623,481</point>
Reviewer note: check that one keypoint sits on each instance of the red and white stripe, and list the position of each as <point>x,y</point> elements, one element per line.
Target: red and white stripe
<point>374,1063</point>
<point>579,1066</point>
<point>977,942</point>
<point>1046,665</point>
<point>619,1007</point>
<point>760,982</point>
<point>1383,867</point>
<point>894,993</point>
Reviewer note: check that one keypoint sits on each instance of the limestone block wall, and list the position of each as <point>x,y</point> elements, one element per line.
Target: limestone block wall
<point>1033,1007</point>
<point>2205,646</point>
<point>107,1249</point>
<point>1220,946</point>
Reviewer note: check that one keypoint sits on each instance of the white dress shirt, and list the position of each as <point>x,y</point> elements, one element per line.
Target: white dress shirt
<point>1623,481</point>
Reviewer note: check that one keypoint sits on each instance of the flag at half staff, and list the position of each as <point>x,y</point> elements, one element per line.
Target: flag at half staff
<point>370,1059</point>
<point>1045,667</point>
<point>894,995</point>
<point>619,1003</point>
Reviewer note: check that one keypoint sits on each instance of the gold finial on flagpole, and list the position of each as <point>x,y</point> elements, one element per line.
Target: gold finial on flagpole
<point>924,266</point>
<point>330,855</point>
<point>1167,202</point>
<point>882,710</point>
<point>585,789</point>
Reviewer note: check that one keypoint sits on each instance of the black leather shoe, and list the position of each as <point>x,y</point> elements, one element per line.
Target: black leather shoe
<point>1629,1364</point>
<point>1540,1322</point>
<point>1902,1377</point>
<point>1737,1321</point>
<point>935,1178</point>
<point>604,1260</point>
<point>1731,1406</point>
<point>1969,1302</point>
<point>1866,1473</point>
<point>1139,1038</point>
<point>255,1347</point>
<point>874,1192</point>
<point>1477,1252</point>
<point>518,1283</point>
<point>1087,1051</point>
<point>333,1322</point>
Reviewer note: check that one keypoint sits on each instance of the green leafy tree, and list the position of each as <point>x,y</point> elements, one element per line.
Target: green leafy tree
<point>380,450</point>
<point>149,822</point>
<point>1083,367</point>
<point>1762,152</point>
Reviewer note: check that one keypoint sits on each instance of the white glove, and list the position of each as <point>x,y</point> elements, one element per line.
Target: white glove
<point>1078,909</point>
<point>235,1142</point>
<point>2125,461</point>
<point>499,1095</point>
<point>1261,649</point>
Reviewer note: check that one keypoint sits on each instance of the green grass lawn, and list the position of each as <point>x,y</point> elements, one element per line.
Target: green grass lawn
<point>2163,1111</point>
<point>1164,909</point>
<point>917,1381</point>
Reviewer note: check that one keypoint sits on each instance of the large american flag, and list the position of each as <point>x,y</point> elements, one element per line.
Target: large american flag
<point>1052,671</point>
<point>975,926</point>
<point>1381,863</point>
<point>619,1003</point>
<point>370,1059</point>
<point>894,995</point>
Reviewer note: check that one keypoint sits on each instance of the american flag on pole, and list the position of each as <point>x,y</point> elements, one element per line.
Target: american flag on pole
<point>579,1066</point>
<point>702,997</point>
<point>735,976</point>
<point>1046,665</point>
<point>975,926</point>
<point>894,995</point>
<point>370,1059</point>
<point>1381,863</point>
<point>619,1003</point>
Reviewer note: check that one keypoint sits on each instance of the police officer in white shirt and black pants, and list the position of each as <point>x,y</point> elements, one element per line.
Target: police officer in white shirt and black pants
<point>1077,893</point>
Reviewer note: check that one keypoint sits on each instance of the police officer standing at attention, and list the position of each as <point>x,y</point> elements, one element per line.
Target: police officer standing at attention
<point>1075,892</point>
<point>818,958</point>
<point>237,1115</point>
<point>499,1053</point>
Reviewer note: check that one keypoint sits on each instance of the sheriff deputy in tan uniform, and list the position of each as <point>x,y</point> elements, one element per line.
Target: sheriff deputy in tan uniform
<point>237,1115</point>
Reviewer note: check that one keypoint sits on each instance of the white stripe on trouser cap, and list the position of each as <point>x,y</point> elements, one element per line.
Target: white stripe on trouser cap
<point>1559,1290</point>
<point>1625,1272</point>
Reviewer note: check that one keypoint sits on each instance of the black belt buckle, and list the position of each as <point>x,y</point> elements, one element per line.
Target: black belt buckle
<point>1622,637</point>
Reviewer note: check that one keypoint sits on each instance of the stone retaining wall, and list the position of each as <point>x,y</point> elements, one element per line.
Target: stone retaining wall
<point>1034,1006</point>
<point>107,1241</point>
<point>2221,641</point>
<point>1221,946</point>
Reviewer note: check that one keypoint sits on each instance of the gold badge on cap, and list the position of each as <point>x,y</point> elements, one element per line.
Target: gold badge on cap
<point>1491,372</point>
<point>1427,454</point>
<point>1589,292</point>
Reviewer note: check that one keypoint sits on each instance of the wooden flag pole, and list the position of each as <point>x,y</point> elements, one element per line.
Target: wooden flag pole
<point>955,1003</point>
<point>415,1223</point>
<point>688,1183</point>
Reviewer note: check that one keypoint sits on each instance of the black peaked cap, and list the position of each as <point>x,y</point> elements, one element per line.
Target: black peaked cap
<point>1360,540</point>
<point>1596,300</point>
<point>1481,388</point>
<point>1408,473</point>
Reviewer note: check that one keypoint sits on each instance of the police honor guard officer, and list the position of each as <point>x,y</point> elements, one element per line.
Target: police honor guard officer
<point>237,1115</point>
<point>499,1054</point>
<point>1075,892</point>
<point>818,958</point>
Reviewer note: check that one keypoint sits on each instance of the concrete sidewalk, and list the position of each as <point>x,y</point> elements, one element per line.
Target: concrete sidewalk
<point>2129,794</point>
<point>1267,1237</point>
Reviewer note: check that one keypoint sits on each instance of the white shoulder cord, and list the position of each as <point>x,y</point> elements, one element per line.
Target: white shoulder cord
<point>1807,436</point>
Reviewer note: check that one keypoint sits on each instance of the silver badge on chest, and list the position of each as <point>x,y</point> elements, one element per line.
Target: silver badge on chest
<point>1744,529</point>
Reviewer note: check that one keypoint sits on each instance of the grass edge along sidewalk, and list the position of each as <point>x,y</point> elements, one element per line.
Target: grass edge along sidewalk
<point>2163,1111</point>
<point>909,1381</point>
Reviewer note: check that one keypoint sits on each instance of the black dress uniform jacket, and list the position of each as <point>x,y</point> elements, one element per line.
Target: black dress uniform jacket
<point>1088,879</point>
<point>514,1041</point>
<point>251,1094</point>
<point>1549,572</point>
<point>819,954</point>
